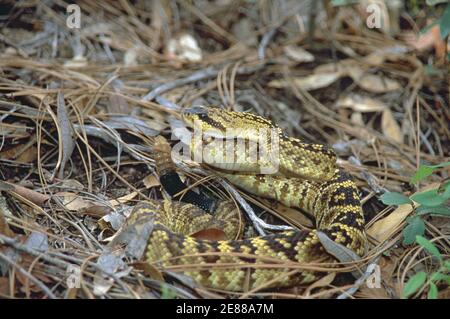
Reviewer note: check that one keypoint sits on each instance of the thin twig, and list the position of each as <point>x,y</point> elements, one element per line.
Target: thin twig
<point>361,280</point>
<point>207,73</point>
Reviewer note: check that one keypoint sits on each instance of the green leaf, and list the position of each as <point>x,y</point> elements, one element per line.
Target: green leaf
<point>444,25</point>
<point>423,172</point>
<point>394,198</point>
<point>446,190</point>
<point>441,165</point>
<point>168,292</point>
<point>428,27</point>
<point>415,227</point>
<point>338,3</point>
<point>434,2</point>
<point>429,247</point>
<point>437,277</point>
<point>429,198</point>
<point>432,291</point>
<point>436,210</point>
<point>426,170</point>
<point>431,71</point>
<point>447,264</point>
<point>414,283</point>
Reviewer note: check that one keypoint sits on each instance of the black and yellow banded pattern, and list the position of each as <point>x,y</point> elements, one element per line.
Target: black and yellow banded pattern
<point>243,264</point>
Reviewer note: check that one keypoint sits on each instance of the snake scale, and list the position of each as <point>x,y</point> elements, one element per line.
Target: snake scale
<point>307,179</point>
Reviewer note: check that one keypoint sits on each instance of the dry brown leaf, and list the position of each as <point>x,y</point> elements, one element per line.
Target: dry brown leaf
<point>117,43</point>
<point>372,82</point>
<point>75,202</point>
<point>111,221</point>
<point>71,293</point>
<point>4,227</point>
<point>4,286</point>
<point>290,215</point>
<point>334,67</point>
<point>388,265</point>
<point>322,282</point>
<point>21,153</point>
<point>365,292</point>
<point>375,59</point>
<point>77,62</point>
<point>298,54</point>
<point>151,181</point>
<point>361,103</point>
<point>357,119</point>
<point>95,211</point>
<point>390,127</point>
<point>390,53</point>
<point>123,199</point>
<point>316,81</point>
<point>9,154</point>
<point>71,184</point>
<point>149,270</point>
<point>384,228</point>
<point>31,195</point>
<point>184,47</point>
<point>310,82</point>
<point>29,155</point>
<point>210,234</point>
<point>72,201</point>
<point>130,58</point>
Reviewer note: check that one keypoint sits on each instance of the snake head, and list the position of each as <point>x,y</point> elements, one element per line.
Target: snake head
<point>222,123</point>
<point>194,115</point>
<point>203,119</point>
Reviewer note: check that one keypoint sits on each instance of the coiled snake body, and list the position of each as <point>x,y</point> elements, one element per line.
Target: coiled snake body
<point>307,178</point>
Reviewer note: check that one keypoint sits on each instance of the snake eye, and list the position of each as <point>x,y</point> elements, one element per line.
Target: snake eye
<point>196,110</point>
